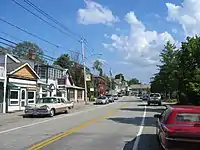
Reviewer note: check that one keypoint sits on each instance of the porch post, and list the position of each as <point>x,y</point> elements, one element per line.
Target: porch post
<point>5,84</point>
<point>75,95</point>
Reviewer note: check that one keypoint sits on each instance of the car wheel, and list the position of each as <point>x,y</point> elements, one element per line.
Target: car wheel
<point>148,104</point>
<point>67,110</point>
<point>159,104</point>
<point>52,112</point>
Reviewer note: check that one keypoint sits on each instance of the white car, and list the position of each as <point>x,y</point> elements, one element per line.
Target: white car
<point>70,103</point>
<point>154,98</point>
<point>47,106</point>
<point>102,100</point>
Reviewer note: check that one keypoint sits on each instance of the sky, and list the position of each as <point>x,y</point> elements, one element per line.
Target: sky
<point>129,34</point>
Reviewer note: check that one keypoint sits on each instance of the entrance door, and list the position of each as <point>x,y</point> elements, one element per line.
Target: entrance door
<point>23,99</point>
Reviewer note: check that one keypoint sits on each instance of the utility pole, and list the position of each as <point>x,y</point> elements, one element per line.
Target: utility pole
<point>84,70</point>
<point>5,83</point>
<point>111,79</point>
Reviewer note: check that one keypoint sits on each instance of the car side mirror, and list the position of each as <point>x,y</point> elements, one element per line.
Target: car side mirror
<point>157,116</point>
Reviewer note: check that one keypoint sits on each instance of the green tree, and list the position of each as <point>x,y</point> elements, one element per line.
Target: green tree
<point>23,49</point>
<point>63,61</point>
<point>133,81</point>
<point>189,71</point>
<point>166,81</point>
<point>98,67</point>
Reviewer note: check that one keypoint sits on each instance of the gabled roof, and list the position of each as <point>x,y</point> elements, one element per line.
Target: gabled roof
<point>13,58</point>
<point>12,68</point>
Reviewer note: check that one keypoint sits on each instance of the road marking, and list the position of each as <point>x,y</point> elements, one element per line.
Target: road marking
<point>48,120</point>
<point>135,146</point>
<point>72,130</point>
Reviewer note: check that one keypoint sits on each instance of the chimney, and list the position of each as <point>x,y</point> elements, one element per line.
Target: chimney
<point>31,55</point>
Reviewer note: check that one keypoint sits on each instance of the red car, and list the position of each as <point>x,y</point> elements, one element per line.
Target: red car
<point>178,128</point>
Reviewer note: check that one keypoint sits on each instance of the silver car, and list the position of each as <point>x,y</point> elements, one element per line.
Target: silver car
<point>154,98</point>
<point>102,100</point>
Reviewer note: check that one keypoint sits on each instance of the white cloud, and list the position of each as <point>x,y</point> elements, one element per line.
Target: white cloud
<point>106,35</point>
<point>95,13</point>
<point>141,47</point>
<point>174,31</point>
<point>187,14</point>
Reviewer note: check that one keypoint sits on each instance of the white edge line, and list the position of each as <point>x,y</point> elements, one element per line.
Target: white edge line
<point>47,120</point>
<point>136,143</point>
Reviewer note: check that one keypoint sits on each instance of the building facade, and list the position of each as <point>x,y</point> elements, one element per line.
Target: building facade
<point>136,89</point>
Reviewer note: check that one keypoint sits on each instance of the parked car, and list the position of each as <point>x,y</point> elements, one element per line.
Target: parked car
<point>120,95</point>
<point>139,96</point>
<point>110,97</point>
<point>115,97</point>
<point>48,106</point>
<point>154,98</point>
<point>70,103</point>
<point>102,100</point>
<point>178,127</point>
<point>145,97</point>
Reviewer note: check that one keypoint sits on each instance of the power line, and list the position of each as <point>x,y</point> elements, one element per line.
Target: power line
<point>5,43</point>
<point>11,36</point>
<point>51,18</point>
<point>34,35</point>
<point>24,51</point>
<point>57,22</point>
<point>40,18</point>
<point>8,40</point>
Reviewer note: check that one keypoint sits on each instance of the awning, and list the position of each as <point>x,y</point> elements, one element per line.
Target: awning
<point>11,85</point>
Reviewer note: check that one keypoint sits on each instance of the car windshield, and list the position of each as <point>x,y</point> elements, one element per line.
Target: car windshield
<point>155,95</point>
<point>115,95</point>
<point>47,100</point>
<point>188,117</point>
<point>102,97</point>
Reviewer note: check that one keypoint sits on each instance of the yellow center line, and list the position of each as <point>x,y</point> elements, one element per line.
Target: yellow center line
<point>70,131</point>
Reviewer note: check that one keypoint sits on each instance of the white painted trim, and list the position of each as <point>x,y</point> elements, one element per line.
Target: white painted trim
<point>26,64</point>
<point>13,58</point>
<point>20,81</point>
<point>14,99</point>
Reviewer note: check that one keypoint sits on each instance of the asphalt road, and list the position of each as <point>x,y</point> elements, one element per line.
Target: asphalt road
<point>127,124</point>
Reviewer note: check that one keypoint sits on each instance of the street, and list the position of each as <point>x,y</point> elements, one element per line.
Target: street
<point>125,125</point>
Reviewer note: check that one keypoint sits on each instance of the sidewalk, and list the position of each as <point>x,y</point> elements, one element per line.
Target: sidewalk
<point>17,116</point>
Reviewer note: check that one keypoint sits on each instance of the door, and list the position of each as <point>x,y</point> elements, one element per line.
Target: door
<point>23,99</point>
<point>62,105</point>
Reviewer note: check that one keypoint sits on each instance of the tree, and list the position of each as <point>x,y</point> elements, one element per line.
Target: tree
<point>180,71</point>
<point>98,67</point>
<point>165,81</point>
<point>133,81</point>
<point>120,76</point>
<point>63,61</point>
<point>189,70</point>
<point>23,50</point>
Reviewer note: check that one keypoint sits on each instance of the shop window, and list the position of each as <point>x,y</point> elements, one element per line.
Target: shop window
<point>79,94</point>
<point>71,93</point>
<point>14,94</point>
<point>14,102</point>
<point>31,97</point>
<point>31,101</point>
<point>23,94</point>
